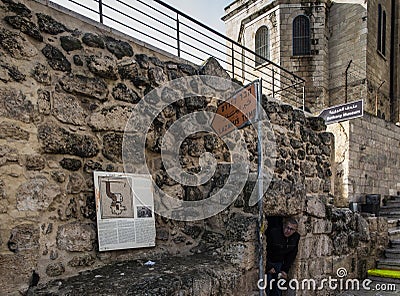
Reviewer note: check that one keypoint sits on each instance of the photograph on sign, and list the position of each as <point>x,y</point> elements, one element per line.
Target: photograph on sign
<point>125,210</point>
<point>237,111</point>
<point>116,197</point>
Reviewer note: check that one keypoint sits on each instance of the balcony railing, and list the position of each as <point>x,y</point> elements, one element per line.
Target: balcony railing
<point>163,26</point>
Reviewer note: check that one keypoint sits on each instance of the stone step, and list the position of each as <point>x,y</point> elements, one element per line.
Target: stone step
<point>392,253</point>
<point>385,209</point>
<point>393,223</point>
<point>392,203</point>
<point>390,214</point>
<point>383,280</point>
<point>394,233</point>
<point>395,243</point>
<point>392,264</point>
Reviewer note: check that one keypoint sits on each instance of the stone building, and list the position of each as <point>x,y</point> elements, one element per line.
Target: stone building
<point>345,52</point>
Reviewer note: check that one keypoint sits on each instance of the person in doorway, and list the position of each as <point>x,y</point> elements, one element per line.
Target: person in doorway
<point>282,247</point>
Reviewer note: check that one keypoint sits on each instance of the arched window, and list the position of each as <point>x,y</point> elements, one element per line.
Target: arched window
<point>301,36</point>
<point>262,45</point>
<point>381,30</point>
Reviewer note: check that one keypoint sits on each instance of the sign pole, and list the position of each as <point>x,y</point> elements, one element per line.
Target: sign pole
<point>260,185</point>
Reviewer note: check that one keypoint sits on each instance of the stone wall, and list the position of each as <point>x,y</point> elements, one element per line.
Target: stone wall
<point>314,67</point>
<point>366,161</point>
<point>67,88</point>
<point>378,66</point>
<point>347,42</point>
<point>243,18</point>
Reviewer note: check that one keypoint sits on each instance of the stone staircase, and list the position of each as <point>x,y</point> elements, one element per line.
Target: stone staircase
<point>391,210</point>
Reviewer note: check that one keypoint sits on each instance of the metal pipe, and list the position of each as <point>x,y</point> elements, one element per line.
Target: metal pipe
<point>101,10</point>
<point>273,82</point>
<point>177,36</point>
<point>233,62</point>
<point>260,191</point>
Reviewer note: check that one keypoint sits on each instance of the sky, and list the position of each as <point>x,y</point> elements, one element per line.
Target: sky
<point>207,11</point>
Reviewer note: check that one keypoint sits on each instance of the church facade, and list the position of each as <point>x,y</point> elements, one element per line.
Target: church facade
<point>344,51</point>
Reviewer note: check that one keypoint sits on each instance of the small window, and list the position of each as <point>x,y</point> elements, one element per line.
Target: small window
<point>381,30</point>
<point>262,45</point>
<point>301,36</point>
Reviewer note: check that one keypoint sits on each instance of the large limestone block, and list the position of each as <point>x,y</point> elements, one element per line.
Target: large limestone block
<point>76,237</point>
<point>36,194</point>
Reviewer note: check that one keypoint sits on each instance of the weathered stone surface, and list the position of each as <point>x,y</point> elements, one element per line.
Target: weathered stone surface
<point>8,154</point>
<point>67,109</point>
<point>56,58</point>
<point>122,93</point>
<point>188,69</point>
<point>315,207</point>
<point>241,228</point>
<point>112,147</point>
<point>18,8</point>
<point>119,48</point>
<point>316,123</point>
<point>4,76</point>
<point>14,73</point>
<point>16,270</point>
<point>71,164</point>
<point>93,40</point>
<point>10,130</point>
<point>76,237</point>
<point>35,162</point>
<point>58,176</point>
<point>142,60</point>
<point>104,67</point>
<point>3,193</point>
<point>25,26</point>
<point>53,255</point>
<point>78,60</point>
<point>24,237</point>
<point>41,74</point>
<point>88,210</point>
<point>127,69</point>
<point>50,25</point>
<point>81,85</point>
<point>91,166</point>
<point>55,269</point>
<point>185,275</point>
<point>44,103</point>
<point>36,194</point>
<point>213,68</point>
<point>157,76</point>
<point>57,140</point>
<point>111,119</point>
<point>322,226</point>
<point>14,105</point>
<point>362,229</point>
<point>69,43</point>
<point>75,183</point>
<point>17,46</point>
<point>84,260</point>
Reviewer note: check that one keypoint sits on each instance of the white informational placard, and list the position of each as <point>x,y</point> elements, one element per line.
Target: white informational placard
<point>125,211</point>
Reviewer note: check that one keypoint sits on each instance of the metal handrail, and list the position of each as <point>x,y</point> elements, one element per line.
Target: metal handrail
<point>224,37</point>
<point>239,60</point>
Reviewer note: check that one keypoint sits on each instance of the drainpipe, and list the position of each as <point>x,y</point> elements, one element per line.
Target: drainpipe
<point>393,102</point>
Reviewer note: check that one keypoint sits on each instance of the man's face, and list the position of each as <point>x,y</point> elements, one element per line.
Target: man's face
<point>289,229</point>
